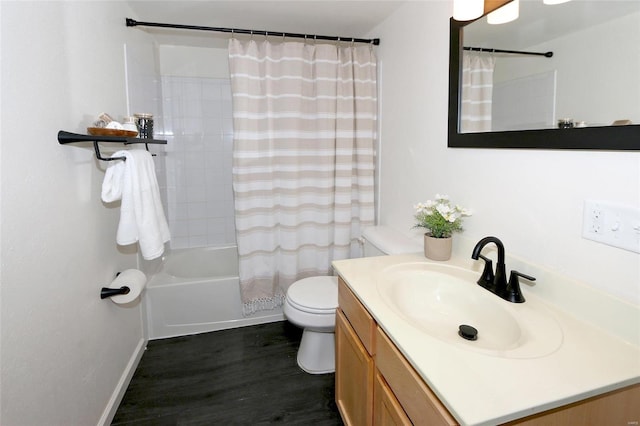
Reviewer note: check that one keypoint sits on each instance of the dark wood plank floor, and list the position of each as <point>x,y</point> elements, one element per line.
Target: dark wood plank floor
<point>244,376</point>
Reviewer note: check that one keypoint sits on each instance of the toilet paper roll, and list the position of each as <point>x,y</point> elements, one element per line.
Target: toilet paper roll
<point>134,279</point>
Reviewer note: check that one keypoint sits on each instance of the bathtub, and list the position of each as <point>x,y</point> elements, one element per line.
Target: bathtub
<point>196,290</point>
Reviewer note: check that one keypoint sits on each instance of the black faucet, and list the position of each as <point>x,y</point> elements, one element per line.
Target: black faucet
<point>496,282</point>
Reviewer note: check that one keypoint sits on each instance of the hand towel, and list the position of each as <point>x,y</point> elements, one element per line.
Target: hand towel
<point>142,218</point>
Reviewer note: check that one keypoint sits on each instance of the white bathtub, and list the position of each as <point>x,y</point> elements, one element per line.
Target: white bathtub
<point>196,291</point>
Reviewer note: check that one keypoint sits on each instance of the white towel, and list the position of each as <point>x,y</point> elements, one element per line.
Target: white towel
<point>142,218</point>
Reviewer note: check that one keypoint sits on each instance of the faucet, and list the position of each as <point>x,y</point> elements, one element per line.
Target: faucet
<point>496,282</point>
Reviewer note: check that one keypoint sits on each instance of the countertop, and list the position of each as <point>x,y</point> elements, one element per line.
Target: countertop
<point>594,357</point>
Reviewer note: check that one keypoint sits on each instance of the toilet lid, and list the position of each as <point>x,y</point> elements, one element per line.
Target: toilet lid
<point>314,294</point>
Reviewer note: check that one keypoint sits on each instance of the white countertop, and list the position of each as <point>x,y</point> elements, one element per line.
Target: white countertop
<point>484,389</point>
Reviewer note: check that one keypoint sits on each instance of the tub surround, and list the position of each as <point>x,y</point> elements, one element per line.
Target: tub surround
<point>196,291</point>
<point>595,357</point>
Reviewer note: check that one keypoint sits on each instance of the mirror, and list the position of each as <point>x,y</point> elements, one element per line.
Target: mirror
<point>597,104</point>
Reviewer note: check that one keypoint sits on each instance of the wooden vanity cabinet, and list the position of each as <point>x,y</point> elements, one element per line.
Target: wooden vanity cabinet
<point>376,385</point>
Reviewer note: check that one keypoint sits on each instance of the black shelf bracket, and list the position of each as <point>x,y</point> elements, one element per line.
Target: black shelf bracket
<point>68,137</point>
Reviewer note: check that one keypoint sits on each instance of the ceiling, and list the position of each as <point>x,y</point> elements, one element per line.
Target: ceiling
<point>330,17</point>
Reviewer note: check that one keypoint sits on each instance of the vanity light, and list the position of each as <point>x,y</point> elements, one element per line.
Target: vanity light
<point>466,10</point>
<point>507,13</point>
<point>554,1</point>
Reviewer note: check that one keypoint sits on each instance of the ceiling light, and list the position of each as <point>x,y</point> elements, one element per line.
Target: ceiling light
<point>554,1</point>
<point>466,10</point>
<point>506,13</point>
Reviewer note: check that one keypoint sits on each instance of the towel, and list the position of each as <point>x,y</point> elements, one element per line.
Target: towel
<point>142,218</point>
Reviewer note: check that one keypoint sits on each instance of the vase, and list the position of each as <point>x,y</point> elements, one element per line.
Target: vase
<point>437,248</point>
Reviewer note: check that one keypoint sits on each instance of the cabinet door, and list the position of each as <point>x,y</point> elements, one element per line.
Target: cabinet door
<point>387,410</point>
<point>354,376</point>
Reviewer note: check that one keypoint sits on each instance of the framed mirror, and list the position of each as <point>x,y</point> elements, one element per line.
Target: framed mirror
<point>588,113</point>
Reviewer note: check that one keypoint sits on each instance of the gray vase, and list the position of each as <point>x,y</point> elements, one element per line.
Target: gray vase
<point>437,248</point>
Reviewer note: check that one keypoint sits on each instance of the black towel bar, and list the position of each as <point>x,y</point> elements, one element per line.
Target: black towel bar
<point>68,137</point>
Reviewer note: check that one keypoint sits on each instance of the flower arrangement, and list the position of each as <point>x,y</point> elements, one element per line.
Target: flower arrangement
<point>439,217</point>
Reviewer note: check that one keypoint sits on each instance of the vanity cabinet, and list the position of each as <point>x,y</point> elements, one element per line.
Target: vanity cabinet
<point>376,385</point>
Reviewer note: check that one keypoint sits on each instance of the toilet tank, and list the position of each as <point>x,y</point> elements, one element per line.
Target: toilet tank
<point>381,240</point>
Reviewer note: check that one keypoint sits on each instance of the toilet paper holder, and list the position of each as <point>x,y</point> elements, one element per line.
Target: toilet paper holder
<point>109,292</point>
<point>125,288</point>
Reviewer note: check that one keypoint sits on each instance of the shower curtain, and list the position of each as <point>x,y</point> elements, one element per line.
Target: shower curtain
<point>304,117</point>
<point>477,92</point>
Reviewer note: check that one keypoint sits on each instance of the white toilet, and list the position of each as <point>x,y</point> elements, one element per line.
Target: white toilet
<point>311,302</point>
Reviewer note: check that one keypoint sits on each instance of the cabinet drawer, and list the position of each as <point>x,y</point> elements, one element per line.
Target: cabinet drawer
<point>358,317</point>
<point>419,402</point>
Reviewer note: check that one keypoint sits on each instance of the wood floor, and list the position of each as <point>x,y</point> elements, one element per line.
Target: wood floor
<point>244,376</point>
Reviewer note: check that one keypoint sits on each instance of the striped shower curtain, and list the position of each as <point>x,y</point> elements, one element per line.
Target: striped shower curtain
<point>304,118</point>
<point>477,92</point>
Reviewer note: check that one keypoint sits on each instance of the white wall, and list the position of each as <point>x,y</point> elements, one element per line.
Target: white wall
<point>608,53</point>
<point>192,61</point>
<point>64,351</point>
<point>532,200</point>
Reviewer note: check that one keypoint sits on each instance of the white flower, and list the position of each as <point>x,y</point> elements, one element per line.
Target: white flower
<point>444,210</point>
<point>463,211</point>
<point>439,217</point>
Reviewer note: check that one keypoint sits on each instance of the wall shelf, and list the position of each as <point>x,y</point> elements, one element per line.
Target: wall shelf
<point>68,137</point>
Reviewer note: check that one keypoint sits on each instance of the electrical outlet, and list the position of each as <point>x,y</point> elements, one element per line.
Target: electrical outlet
<point>614,225</point>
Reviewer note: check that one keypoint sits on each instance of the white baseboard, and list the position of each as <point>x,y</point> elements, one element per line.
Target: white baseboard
<point>123,383</point>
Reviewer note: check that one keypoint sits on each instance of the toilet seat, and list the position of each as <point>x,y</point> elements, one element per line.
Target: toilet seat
<point>315,295</point>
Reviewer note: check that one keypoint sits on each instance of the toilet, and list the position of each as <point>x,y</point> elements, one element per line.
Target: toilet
<point>311,302</point>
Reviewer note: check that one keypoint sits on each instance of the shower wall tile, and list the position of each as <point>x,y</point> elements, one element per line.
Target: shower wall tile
<point>197,227</point>
<point>197,194</point>
<point>179,242</point>
<point>198,241</point>
<point>196,178</point>
<point>197,210</point>
<point>180,228</point>
<point>181,211</point>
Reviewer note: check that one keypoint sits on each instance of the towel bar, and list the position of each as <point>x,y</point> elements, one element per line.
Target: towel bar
<point>68,137</point>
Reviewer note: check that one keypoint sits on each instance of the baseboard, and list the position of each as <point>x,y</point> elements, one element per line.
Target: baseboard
<point>114,402</point>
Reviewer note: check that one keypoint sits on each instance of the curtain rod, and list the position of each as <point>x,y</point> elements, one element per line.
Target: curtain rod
<point>134,23</point>
<point>516,52</point>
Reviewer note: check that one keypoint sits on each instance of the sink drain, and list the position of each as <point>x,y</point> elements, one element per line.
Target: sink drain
<point>467,332</point>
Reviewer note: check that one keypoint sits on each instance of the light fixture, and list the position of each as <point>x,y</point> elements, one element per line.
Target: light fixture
<point>554,1</point>
<point>466,10</point>
<point>506,13</point>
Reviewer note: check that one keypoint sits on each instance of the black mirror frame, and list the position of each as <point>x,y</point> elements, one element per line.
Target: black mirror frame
<point>610,138</point>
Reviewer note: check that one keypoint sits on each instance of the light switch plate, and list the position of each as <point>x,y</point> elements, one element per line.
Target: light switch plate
<point>611,224</point>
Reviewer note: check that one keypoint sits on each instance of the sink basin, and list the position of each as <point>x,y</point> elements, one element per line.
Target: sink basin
<point>437,299</point>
